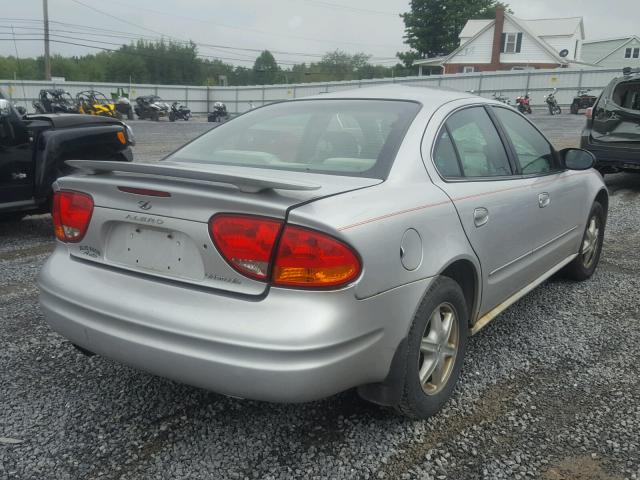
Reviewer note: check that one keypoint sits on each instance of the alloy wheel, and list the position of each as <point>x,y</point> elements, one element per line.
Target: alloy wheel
<point>438,349</point>
<point>590,242</point>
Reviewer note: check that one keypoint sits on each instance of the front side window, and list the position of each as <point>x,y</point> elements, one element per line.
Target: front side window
<point>534,152</point>
<point>339,137</point>
<point>477,144</point>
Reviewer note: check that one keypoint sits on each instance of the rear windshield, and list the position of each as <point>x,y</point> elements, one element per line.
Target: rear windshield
<point>340,137</point>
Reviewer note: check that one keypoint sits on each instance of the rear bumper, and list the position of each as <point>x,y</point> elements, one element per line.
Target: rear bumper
<point>291,346</point>
<point>610,156</point>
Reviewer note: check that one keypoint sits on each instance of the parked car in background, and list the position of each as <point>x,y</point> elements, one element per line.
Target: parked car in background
<point>612,131</point>
<point>307,247</point>
<point>33,150</point>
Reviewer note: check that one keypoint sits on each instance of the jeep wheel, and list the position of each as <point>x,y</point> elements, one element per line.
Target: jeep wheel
<point>435,350</point>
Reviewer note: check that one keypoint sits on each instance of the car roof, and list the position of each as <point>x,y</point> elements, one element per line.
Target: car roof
<point>423,95</point>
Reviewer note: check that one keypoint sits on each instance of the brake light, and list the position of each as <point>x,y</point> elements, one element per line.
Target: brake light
<point>71,215</point>
<point>304,258</point>
<point>245,241</point>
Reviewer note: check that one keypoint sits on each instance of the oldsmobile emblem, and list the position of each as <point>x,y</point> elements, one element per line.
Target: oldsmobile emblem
<point>144,205</point>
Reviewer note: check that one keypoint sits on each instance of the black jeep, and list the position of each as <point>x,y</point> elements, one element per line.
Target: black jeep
<point>33,151</point>
<point>612,132</point>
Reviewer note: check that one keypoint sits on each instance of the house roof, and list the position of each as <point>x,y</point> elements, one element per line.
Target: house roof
<point>551,27</point>
<point>472,27</point>
<point>612,39</point>
<point>436,61</point>
<point>619,46</point>
<point>542,27</point>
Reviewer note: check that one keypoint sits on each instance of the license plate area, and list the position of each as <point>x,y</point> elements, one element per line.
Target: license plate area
<point>162,251</point>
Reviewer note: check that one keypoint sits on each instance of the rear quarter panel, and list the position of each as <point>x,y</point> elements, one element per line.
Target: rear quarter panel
<point>374,220</point>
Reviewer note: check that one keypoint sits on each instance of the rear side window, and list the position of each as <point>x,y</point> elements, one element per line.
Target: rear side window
<point>335,136</point>
<point>480,152</point>
<point>534,152</point>
<point>445,156</point>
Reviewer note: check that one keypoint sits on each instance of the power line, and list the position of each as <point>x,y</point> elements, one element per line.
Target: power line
<point>209,22</point>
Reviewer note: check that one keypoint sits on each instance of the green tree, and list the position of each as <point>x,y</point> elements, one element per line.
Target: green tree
<point>342,66</point>
<point>432,26</point>
<point>265,68</point>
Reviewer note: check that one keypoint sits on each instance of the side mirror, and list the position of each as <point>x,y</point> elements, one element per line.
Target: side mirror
<point>5,108</point>
<point>577,159</point>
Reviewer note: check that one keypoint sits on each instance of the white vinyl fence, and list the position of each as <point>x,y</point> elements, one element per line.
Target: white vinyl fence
<point>240,99</point>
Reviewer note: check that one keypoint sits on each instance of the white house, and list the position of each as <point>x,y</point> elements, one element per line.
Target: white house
<point>613,52</point>
<point>510,43</point>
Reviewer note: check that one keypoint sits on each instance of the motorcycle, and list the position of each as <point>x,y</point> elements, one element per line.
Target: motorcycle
<point>552,103</point>
<point>524,104</point>
<point>501,98</point>
<point>582,100</point>
<point>179,112</point>
<point>219,113</point>
<point>152,107</point>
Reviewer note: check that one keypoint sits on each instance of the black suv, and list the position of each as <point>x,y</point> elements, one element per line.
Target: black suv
<point>612,132</point>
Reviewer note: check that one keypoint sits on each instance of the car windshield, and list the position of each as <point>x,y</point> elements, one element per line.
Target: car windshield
<point>334,136</point>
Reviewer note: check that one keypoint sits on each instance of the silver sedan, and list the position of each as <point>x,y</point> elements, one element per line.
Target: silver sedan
<point>308,247</point>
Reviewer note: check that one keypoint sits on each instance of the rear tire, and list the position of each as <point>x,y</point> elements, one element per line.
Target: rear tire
<point>583,266</point>
<point>559,110</point>
<point>436,345</point>
<point>172,117</point>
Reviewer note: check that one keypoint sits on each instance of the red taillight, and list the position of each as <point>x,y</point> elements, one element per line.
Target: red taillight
<point>246,242</point>
<point>71,214</point>
<point>305,257</point>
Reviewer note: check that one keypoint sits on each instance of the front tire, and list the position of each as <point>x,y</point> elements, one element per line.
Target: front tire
<point>583,266</point>
<point>435,350</point>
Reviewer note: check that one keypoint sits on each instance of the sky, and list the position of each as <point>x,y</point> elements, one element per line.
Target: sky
<point>236,30</point>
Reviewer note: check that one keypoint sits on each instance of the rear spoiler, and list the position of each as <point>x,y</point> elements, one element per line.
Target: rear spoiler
<point>248,182</point>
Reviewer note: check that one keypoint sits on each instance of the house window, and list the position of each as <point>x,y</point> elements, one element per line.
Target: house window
<point>511,42</point>
<point>627,53</point>
<point>636,52</point>
<point>467,69</point>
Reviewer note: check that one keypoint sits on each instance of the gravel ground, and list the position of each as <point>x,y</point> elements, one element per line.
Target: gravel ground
<point>549,389</point>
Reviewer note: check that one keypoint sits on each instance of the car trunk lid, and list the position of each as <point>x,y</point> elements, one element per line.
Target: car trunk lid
<point>153,218</point>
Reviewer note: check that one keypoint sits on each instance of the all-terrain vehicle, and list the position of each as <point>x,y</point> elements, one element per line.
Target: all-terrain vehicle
<point>582,100</point>
<point>92,102</point>
<point>33,151</point>
<point>55,100</point>
<point>151,107</point>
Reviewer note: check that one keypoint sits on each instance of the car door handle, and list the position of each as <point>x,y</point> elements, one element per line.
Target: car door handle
<point>543,199</point>
<point>480,216</point>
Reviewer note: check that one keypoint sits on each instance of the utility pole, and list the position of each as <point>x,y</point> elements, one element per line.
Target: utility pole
<point>47,59</point>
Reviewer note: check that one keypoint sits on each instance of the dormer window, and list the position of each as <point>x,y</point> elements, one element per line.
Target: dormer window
<point>511,42</point>
<point>629,51</point>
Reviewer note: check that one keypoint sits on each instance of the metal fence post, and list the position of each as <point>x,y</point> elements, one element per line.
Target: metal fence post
<point>208,96</point>
<point>237,102</point>
<point>294,91</point>
<point>526,90</point>
<point>263,95</point>
<point>186,96</point>
<point>580,79</point>
<point>479,83</point>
